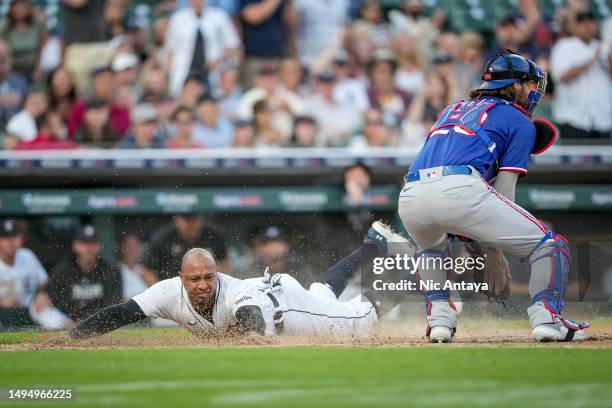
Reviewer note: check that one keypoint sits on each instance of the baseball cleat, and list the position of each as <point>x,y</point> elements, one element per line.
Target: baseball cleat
<point>388,241</point>
<point>440,334</point>
<point>550,326</point>
<point>557,332</point>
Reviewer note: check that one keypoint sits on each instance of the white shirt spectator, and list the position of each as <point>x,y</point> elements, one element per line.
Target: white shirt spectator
<point>319,22</point>
<point>132,282</point>
<point>337,122</point>
<point>22,126</point>
<point>410,82</point>
<point>586,101</point>
<point>23,278</point>
<point>219,37</point>
<point>352,92</point>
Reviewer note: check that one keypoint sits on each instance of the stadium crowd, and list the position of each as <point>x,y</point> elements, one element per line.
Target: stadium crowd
<point>268,73</point>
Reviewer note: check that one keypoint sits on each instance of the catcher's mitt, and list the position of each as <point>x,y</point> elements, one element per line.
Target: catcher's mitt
<point>496,273</point>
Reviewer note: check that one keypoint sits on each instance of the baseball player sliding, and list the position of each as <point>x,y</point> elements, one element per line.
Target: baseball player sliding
<point>205,301</point>
<point>463,182</point>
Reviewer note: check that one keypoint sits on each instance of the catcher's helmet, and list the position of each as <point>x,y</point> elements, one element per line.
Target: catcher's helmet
<point>507,68</point>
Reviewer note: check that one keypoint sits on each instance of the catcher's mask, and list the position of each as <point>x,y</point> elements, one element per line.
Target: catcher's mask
<point>507,68</point>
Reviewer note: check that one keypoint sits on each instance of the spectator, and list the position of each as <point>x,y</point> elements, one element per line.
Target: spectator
<point>445,66</point>
<point>134,279</point>
<point>360,48</point>
<point>143,132</point>
<point>51,134</point>
<point>337,121</point>
<point>376,133</point>
<point>85,283</point>
<point>114,17</point>
<point>85,37</point>
<point>351,86</point>
<point>282,103</point>
<point>318,22</point>
<point>291,74</point>
<point>305,132</point>
<point>182,119</point>
<point>103,89</point>
<point>25,36</point>
<point>13,86</point>
<point>409,76</point>
<point>23,281</point>
<point>515,33</point>
<point>199,38</point>
<point>357,181</point>
<point>193,89</point>
<point>167,246</point>
<point>409,19</point>
<point>126,97</point>
<point>383,94</point>
<point>211,130</point>
<point>371,19</point>
<point>154,84</point>
<point>448,63</point>
<point>265,25</point>
<point>268,247</point>
<point>229,91</point>
<point>244,134</point>
<point>581,67</point>
<point>61,92</point>
<point>564,16</point>
<point>467,69</point>
<point>125,67</point>
<point>95,131</point>
<point>265,133</point>
<point>22,126</point>
<point>157,51</point>
<point>427,104</point>
<point>84,21</point>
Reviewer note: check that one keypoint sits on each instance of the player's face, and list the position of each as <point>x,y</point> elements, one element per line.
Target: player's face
<point>9,246</point>
<point>199,277</point>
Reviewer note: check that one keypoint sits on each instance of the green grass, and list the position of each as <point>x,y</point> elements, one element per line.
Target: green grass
<point>315,376</point>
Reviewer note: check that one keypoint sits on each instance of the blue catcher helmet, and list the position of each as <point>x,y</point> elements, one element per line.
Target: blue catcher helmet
<point>507,68</point>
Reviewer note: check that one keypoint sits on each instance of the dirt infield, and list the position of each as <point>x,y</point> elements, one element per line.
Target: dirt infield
<point>470,334</point>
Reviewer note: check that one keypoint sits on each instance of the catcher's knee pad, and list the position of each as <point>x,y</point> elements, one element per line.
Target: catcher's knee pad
<point>550,262</point>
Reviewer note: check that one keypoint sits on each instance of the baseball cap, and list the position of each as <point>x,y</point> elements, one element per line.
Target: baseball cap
<point>327,75</point>
<point>143,113</point>
<point>9,228</point>
<point>242,123</point>
<point>268,69</point>
<point>585,16</point>
<point>271,232</point>
<point>442,57</point>
<point>87,233</point>
<point>509,20</point>
<point>124,61</point>
<point>95,104</point>
<point>100,70</point>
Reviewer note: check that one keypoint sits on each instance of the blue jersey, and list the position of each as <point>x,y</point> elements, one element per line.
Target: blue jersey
<point>489,134</point>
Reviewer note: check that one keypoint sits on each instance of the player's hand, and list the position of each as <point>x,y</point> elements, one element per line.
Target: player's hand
<point>497,273</point>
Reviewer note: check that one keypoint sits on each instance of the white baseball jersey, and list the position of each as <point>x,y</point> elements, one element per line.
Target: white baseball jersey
<point>23,277</point>
<point>311,312</point>
<point>168,299</point>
